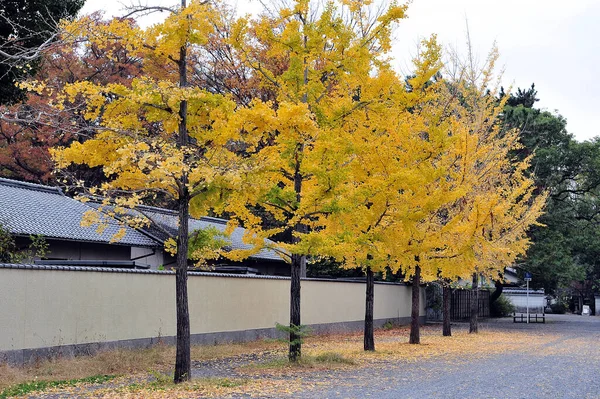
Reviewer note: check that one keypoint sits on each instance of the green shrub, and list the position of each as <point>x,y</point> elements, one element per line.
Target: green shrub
<point>501,307</point>
<point>388,325</point>
<point>300,331</point>
<point>558,307</point>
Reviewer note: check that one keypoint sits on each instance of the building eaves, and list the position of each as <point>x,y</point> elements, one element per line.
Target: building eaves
<point>172,273</point>
<point>165,224</point>
<point>33,209</point>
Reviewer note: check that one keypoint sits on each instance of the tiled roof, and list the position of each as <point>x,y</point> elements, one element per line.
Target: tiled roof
<point>32,209</point>
<point>171,272</point>
<point>167,220</point>
<point>140,271</point>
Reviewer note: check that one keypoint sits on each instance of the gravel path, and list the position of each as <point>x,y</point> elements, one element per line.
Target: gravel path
<point>229,367</point>
<point>567,367</point>
<point>564,365</point>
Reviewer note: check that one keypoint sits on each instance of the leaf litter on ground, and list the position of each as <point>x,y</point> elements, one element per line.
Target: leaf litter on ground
<point>261,369</point>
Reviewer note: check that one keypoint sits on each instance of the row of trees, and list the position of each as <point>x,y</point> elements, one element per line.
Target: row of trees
<point>295,126</point>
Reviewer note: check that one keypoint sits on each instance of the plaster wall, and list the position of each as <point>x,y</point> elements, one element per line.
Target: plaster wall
<point>47,308</point>
<point>536,301</point>
<point>153,257</point>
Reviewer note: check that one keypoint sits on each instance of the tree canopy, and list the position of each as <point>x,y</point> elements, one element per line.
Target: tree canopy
<point>564,249</point>
<point>294,125</point>
<point>26,28</point>
<point>28,129</point>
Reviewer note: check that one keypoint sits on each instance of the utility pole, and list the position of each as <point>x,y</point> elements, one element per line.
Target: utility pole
<point>527,279</point>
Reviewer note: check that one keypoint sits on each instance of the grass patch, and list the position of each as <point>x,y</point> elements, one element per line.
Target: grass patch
<point>114,362</point>
<point>388,325</point>
<point>35,386</point>
<point>121,362</point>
<point>333,358</point>
<point>226,382</point>
<point>325,360</point>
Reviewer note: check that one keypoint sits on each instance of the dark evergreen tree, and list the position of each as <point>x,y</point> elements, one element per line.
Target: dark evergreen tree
<point>566,248</point>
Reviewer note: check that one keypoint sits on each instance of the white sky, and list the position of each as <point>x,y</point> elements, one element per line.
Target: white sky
<point>554,44</point>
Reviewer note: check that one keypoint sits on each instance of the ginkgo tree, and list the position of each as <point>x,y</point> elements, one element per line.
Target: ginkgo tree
<point>479,227</point>
<point>482,229</point>
<point>156,135</point>
<point>405,164</point>
<point>320,56</point>
<point>384,148</point>
<point>503,202</point>
<point>431,191</point>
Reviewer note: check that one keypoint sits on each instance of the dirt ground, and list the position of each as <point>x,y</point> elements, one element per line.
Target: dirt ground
<point>558,359</point>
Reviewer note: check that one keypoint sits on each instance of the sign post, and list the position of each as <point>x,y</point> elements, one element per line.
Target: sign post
<point>527,279</point>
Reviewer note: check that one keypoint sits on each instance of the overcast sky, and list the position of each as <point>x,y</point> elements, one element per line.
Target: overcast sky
<point>554,44</point>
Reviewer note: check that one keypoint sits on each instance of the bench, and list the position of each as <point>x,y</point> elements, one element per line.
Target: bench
<point>536,315</point>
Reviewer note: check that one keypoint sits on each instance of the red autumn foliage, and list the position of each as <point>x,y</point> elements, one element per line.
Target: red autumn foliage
<point>29,129</point>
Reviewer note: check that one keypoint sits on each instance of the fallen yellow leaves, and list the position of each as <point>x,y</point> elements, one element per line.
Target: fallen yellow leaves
<point>392,345</point>
<point>260,368</point>
<point>206,387</point>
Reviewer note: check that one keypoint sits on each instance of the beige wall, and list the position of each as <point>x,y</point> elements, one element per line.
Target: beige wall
<point>153,257</point>
<point>47,308</point>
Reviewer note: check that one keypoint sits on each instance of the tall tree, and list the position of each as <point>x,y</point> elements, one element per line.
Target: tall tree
<point>476,202</point>
<point>503,201</point>
<point>564,249</point>
<point>156,135</point>
<point>430,189</point>
<point>446,298</point>
<point>320,56</point>
<point>384,146</point>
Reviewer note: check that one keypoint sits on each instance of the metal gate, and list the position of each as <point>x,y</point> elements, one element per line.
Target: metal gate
<point>460,305</point>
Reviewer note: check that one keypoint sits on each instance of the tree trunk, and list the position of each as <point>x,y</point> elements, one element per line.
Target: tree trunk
<point>473,327</point>
<point>414,316</point>
<point>494,297</point>
<point>298,267</point>
<point>182,358</point>
<point>369,338</point>
<point>447,294</point>
<point>298,261</point>
<point>497,292</point>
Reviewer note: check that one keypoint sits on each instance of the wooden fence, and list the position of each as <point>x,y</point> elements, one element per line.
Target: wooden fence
<point>460,305</point>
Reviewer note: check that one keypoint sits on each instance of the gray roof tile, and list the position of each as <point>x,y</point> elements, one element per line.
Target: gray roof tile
<point>145,271</point>
<point>168,220</point>
<point>32,209</point>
